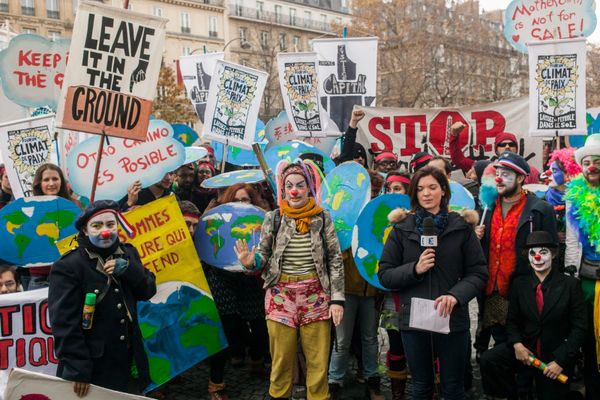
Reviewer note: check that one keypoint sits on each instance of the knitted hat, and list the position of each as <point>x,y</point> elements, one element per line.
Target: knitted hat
<point>505,136</point>
<point>591,148</point>
<point>359,151</point>
<point>514,162</point>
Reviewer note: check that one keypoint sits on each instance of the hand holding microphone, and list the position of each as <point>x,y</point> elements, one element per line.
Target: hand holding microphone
<point>429,243</point>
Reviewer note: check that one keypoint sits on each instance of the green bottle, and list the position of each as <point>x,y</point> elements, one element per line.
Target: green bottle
<point>88,311</point>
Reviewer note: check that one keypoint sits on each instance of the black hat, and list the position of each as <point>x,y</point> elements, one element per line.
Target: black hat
<point>419,160</point>
<point>103,205</point>
<point>479,167</point>
<point>540,239</point>
<point>514,162</point>
<point>358,150</point>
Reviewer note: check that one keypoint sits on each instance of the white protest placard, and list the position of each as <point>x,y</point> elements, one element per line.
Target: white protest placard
<point>197,71</point>
<point>32,70</point>
<point>124,161</point>
<point>25,385</point>
<point>557,88</point>
<point>113,68</point>
<point>26,339</point>
<point>25,145</point>
<point>347,75</point>
<point>299,84</point>
<point>67,141</point>
<point>233,104</point>
<point>528,21</point>
<point>424,316</point>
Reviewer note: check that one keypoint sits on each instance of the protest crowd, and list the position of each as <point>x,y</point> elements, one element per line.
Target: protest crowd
<point>133,256</point>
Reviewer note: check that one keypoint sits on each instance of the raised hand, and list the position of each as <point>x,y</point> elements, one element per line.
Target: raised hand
<point>243,254</point>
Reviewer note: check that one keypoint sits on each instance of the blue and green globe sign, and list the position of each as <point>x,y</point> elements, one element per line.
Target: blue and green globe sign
<point>371,232</point>
<point>29,228</point>
<point>221,227</point>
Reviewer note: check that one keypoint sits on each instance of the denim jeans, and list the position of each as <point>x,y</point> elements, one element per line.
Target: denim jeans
<point>451,349</point>
<point>358,309</point>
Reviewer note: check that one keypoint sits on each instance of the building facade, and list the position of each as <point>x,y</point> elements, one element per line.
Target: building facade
<point>49,18</point>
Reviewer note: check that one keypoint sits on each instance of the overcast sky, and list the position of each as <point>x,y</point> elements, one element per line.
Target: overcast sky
<point>501,4</point>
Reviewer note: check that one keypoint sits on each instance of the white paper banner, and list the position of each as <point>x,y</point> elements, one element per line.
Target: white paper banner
<point>24,385</point>
<point>197,71</point>
<point>348,75</point>
<point>557,88</point>
<point>25,145</point>
<point>25,334</point>
<point>406,131</point>
<point>113,68</point>
<point>233,104</point>
<point>300,92</point>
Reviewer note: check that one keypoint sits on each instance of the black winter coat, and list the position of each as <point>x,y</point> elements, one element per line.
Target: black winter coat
<point>460,268</point>
<point>537,215</point>
<point>562,325</point>
<point>102,355</point>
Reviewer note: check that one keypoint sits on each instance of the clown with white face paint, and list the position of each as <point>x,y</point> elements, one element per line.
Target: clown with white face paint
<point>540,259</point>
<point>112,272</point>
<point>582,254</point>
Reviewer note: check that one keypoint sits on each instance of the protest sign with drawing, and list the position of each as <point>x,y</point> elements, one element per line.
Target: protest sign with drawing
<point>32,70</point>
<point>26,339</point>
<point>557,101</point>
<point>233,104</point>
<point>197,71</point>
<point>124,161</point>
<point>25,145</point>
<point>527,21</point>
<point>110,81</point>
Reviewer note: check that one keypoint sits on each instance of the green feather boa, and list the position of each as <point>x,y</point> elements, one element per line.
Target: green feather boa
<point>585,209</point>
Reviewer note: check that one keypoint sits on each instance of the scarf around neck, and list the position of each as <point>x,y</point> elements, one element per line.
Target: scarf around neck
<point>301,215</point>
<point>440,220</point>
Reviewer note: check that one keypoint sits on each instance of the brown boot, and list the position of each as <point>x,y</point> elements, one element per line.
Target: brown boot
<point>216,391</point>
<point>398,386</point>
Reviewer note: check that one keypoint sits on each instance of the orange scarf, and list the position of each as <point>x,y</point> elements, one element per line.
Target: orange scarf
<point>301,215</point>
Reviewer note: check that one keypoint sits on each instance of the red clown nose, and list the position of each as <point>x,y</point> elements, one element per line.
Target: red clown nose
<point>294,193</point>
<point>498,179</point>
<point>592,169</point>
<point>105,235</point>
<point>537,257</point>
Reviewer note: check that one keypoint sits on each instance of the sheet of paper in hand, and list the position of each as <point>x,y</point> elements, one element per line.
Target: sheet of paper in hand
<point>425,317</point>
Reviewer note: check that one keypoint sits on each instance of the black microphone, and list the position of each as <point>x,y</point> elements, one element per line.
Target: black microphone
<point>429,239</point>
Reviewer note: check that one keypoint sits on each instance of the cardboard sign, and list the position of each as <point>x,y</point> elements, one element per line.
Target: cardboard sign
<point>25,385</point>
<point>300,91</point>
<point>280,130</point>
<point>557,88</point>
<point>26,339</point>
<point>347,75</point>
<point>406,131</point>
<point>32,70</point>
<point>233,104</point>
<point>25,145</point>
<point>124,161</point>
<point>197,71</point>
<point>114,62</point>
<point>528,21</point>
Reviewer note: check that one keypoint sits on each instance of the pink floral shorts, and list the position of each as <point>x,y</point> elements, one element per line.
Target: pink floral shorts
<point>297,303</point>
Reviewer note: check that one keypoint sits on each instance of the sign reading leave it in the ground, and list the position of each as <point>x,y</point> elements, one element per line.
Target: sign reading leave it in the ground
<point>534,20</point>
<point>110,81</point>
<point>32,70</point>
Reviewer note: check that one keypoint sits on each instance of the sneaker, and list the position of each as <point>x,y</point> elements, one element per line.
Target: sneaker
<point>374,387</point>
<point>335,391</point>
<point>299,392</point>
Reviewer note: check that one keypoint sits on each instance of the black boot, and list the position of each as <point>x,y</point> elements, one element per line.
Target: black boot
<point>374,387</point>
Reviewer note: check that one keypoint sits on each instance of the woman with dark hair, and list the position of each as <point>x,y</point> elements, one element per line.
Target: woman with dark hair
<point>49,180</point>
<point>451,274</point>
<point>397,182</point>
<point>202,197</point>
<point>6,195</point>
<point>240,302</point>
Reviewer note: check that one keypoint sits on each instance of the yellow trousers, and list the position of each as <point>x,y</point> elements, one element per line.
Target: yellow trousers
<point>283,341</point>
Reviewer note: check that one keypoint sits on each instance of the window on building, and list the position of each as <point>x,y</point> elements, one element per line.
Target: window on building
<point>264,39</point>
<point>53,35</point>
<point>344,4</point>
<point>239,7</point>
<point>260,9</point>
<point>52,10</point>
<point>185,22</point>
<point>157,12</point>
<point>307,18</point>
<point>185,51</point>
<point>28,30</point>
<point>282,42</point>
<point>243,35</point>
<point>292,16</point>
<point>297,43</point>
<point>212,27</point>
<point>3,5</point>
<point>338,21</point>
<point>27,7</point>
<point>323,21</point>
<point>278,14</point>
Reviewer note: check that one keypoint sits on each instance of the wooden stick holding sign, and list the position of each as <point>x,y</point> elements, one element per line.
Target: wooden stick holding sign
<point>265,168</point>
<point>224,159</point>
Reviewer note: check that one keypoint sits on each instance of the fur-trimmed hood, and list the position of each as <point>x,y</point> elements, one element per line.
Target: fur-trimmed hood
<point>398,215</point>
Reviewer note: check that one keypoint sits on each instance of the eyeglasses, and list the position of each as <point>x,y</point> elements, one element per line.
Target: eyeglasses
<point>244,200</point>
<point>507,144</point>
<point>386,163</point>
